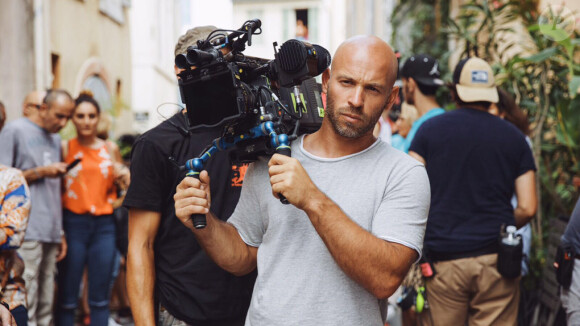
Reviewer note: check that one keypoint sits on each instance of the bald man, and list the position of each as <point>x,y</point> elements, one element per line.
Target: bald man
<point>32,103</point>
<point>357,215</point>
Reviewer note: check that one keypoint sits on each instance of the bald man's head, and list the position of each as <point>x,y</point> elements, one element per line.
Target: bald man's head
<point>359,87</point>
<point>371,49</point>
<point>32,103</point>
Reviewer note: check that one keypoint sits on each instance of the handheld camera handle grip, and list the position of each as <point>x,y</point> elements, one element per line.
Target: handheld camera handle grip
<point>284,150</point>
<point>199,221</point>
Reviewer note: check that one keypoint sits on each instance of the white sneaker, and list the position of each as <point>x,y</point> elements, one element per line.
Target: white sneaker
<point>112,322</point>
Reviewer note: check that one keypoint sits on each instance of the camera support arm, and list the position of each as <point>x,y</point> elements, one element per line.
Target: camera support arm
<point>194,166</point>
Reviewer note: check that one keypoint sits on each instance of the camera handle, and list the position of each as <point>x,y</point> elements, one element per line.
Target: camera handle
<point>194,166</point>
<point>284,149</point>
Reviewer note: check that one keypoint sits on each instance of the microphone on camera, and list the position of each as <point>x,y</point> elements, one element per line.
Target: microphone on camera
<point>323,57</point>
<point>254,24</point>
<point>251,26</point>
<point>246,32</point>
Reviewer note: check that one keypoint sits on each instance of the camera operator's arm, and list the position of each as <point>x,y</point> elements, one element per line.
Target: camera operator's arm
<point>143,226</point>
<point>219,239</point>
<point>376,264</point>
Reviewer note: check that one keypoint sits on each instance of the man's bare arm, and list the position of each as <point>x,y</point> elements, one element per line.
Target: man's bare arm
<point>143,227</point>
<point>377,265</point>
<point>526,195</point>
<point>219,239</point>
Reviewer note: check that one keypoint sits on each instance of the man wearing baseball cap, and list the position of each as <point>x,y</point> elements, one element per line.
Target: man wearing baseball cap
<point>421,79</point>
<point>475,162</point>
<point>170,279</point>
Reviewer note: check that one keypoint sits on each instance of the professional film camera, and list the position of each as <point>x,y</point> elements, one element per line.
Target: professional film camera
<point>261,104</point>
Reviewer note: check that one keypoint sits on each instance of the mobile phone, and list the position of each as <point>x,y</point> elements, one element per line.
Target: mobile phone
<point>73,164</point>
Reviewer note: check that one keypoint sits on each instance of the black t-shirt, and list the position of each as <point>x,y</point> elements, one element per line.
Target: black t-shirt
<point>473,159</point>
<point>188,283</point>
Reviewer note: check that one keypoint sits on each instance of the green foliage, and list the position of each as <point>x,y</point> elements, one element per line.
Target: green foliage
<point>422,21</point>
<point>483,28</point>
<point>125,149</point>
<point>423,29</point>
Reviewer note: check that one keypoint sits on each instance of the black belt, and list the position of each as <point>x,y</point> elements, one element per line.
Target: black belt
<point>443,256</point>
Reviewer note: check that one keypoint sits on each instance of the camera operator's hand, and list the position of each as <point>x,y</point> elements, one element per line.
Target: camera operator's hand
<point>192,197</point>
<point>289,178</point>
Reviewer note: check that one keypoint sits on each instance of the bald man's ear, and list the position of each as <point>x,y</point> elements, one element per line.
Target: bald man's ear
<point>392,97</point>
<point>325,79</point>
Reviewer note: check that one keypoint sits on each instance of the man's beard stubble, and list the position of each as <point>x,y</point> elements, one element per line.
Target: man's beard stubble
<point>348,130</point>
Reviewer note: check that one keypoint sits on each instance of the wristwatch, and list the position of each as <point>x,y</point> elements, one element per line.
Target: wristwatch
<point>5,304</point>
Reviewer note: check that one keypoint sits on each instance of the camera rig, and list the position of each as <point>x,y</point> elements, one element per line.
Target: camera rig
<point>262,104</point>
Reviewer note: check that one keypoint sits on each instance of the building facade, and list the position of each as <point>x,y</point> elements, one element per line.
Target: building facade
<point>323,22</point>
<point>69,44</point>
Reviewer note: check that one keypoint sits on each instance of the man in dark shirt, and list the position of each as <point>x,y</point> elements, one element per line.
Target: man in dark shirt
<point>475,162</point>
<point>168,274</point>
<point>421,80</point>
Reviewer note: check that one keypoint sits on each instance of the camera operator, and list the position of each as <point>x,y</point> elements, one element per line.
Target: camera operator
<point>358,212</point>
<point>167,272</point>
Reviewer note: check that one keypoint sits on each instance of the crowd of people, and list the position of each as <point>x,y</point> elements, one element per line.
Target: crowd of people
<point>57,210</point>
<point>370,199</point>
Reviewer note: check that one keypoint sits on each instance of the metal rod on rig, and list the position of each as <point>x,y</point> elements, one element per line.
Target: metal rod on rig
<point>194,167</point>
<point>282,145</point>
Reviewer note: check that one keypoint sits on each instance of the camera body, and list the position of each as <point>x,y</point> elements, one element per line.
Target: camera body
<point>222,87</point>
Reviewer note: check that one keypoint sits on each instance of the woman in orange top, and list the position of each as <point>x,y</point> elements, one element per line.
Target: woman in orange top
<point>90,189</point>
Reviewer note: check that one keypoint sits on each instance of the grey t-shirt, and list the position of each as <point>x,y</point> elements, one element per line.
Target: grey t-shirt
<point>382,189</point>
<point>24,145</point>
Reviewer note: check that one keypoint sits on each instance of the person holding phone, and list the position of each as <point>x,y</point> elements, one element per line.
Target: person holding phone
<point>90,188</point>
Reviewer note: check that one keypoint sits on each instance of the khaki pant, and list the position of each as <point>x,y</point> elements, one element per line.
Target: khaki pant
<point>39,275</point>
<point>471,290</point>
<point>167,319</point>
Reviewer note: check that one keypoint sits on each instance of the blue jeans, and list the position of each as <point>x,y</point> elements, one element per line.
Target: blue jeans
<point>91,243</point>
<point>20,315</point>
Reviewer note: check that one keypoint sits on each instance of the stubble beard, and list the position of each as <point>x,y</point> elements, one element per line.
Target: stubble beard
<point>348,130</point>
